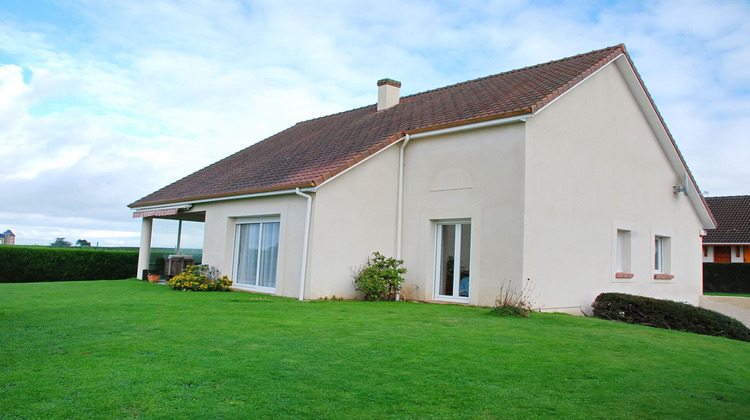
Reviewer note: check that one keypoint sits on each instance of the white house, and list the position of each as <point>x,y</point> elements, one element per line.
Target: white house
<point>561,174</point>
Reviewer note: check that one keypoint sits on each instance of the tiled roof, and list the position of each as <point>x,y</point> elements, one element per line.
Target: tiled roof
<point>732,220</point>
<point>310,152</point>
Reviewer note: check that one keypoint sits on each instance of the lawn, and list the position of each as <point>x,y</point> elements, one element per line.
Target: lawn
<point>728,294</point>
<point>127,349</point>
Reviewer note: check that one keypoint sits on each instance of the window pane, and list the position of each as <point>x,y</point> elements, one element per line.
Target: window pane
<point>658,255</point>
<point>447,251</point>
<point>247,260</point>
<point>463,289</point>
<point>269,255</point>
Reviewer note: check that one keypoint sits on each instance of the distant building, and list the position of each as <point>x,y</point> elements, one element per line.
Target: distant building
<point>730,241</point>
<point>7,238</point>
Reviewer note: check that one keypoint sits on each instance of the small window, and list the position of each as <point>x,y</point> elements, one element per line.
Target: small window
<point>622,264</point>
<point>662,255</point>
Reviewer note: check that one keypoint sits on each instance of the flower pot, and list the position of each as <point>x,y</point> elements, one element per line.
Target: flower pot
<point>153,278</point>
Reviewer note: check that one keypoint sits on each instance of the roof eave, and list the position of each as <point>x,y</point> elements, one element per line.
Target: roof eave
<point>220,197</point>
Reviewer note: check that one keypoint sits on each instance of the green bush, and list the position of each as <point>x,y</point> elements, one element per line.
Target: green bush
<point>200,278</point>
<point>22,264</point>
<point>726,278</point>
<point>668,315</point>
<point>380,278</point>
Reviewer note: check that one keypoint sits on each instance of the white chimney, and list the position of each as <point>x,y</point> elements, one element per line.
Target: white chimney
<point>389,92</point>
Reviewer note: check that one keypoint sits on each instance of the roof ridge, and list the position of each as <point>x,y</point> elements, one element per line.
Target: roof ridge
<point>518,70</point>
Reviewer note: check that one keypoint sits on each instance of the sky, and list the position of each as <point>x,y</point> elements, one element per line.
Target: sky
<point>104,102</point>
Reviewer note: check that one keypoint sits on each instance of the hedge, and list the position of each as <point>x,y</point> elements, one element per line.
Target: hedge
<point>726,277</point>
<point>22,264</point>
<point>668,315</point>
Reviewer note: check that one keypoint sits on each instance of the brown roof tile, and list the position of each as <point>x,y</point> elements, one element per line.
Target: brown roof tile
<point>732,215</point>
<point>313,151</point>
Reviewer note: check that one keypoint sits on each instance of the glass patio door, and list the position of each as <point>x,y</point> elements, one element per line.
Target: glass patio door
<point>453,256</point>
<point>256,255</point>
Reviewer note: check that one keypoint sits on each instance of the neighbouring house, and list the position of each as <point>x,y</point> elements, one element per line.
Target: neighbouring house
<point>730,241</point>
<point>561,176</point>
<point>7,238</point>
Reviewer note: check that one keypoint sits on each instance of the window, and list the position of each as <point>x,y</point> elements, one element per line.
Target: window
<point>662,258</point>
<point>659,254</point>
<point>256,254</point>
<point>453,257</point>
<point>622,262</point>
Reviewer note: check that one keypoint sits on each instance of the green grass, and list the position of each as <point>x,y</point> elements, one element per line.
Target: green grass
<point>728,294</point>
<point>126,349</point>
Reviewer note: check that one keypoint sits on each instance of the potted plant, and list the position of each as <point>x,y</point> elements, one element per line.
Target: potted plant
<point>153,278</point>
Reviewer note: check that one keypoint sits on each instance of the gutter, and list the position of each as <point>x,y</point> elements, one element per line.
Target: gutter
<point>303,271</point>
<point>188,204</point>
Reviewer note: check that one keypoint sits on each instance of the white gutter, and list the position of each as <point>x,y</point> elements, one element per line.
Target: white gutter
<point>188,204</point>
<point>303,271</point>
<point>400,208</point>
<point>406,138</point>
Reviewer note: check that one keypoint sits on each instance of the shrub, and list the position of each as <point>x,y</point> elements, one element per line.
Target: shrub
<point>200,278</point>
<point>668,315</point>
<point>23,264</point>
<point>380,278</point>
<point>726,278</point>
<point>511,302</point>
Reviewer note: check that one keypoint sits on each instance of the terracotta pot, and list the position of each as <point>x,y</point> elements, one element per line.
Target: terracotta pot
<point>153,278</point>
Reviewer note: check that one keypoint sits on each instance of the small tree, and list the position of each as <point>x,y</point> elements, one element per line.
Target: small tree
<point>83,243</point>
<point>60,243</point>
<point>380,278</point>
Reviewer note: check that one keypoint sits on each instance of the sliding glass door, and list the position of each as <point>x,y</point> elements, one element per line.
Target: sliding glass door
<point>256,254</point>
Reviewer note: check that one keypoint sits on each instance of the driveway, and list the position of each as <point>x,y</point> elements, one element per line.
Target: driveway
<point>736,307</point>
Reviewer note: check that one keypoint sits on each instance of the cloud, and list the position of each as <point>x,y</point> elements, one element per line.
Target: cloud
<point>102,103</point>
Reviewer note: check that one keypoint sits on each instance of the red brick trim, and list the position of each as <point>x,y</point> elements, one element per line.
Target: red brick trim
<point>663,277</point>
<point>624,275</point>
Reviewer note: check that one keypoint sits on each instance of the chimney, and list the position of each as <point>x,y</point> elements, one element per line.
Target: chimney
<point>389,92</point>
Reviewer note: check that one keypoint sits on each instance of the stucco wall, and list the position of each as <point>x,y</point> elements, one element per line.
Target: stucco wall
<point>354,215</point>
<point>593,166</point>
<point>221,217</point>
<point>476,175</point>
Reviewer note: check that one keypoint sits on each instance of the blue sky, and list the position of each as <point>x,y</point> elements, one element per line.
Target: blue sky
<point>102,103</point>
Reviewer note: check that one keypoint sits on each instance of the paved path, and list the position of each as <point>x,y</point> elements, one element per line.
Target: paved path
<point>736,307</point>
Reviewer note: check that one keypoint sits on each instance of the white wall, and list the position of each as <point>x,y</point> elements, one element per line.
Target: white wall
<point>476,175</point>
<point>709,255</point>
<point>593,166</point>
<point>218,246</point>
<point>354,215</point>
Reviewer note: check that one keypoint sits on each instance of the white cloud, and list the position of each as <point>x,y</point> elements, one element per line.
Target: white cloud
<point>136,94</point>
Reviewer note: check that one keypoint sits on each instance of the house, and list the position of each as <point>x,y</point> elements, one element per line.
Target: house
<point>7,238</point>
<point>730,241</point>
<point>561,177</point>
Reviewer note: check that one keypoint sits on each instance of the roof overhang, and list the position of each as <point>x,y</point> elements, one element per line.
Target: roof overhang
<point>160,211</point>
